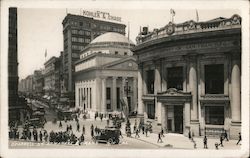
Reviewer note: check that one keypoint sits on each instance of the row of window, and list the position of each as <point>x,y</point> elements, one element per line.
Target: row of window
<point>101,27</point>
<point>80,40</point>
<point>76,47</point>
<point>80,32</point>
<point>82,24</point>
<point>214,79</point>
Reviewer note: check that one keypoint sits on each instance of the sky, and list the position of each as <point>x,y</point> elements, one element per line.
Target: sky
<point>41,29</point>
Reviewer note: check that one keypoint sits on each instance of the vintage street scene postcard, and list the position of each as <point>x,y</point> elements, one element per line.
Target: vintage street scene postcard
<point>124,79</point>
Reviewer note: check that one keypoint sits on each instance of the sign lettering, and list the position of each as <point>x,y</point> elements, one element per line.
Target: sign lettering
<point>101,15</point>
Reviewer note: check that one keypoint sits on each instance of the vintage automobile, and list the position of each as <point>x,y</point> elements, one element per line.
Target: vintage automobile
<point>36,122</point>
<point>68,115</point>
<point>108,135</point>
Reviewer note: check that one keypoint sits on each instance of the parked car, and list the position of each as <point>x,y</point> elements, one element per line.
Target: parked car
<point>108,135</point>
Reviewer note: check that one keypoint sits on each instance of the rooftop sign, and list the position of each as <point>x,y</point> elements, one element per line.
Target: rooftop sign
<point>101,15</point>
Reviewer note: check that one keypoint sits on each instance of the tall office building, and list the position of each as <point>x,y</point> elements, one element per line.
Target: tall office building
<point>16,106</point>
<point>78,32</point>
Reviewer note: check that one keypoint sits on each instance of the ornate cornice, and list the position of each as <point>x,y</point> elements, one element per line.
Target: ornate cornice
<point>175,92</point>
<point>214,98</point>
<point>191,27</point>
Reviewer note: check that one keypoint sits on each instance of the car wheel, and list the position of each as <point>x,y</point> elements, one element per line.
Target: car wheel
<point>94,140</point>
<point>117,141</point>
<point>110,141</point>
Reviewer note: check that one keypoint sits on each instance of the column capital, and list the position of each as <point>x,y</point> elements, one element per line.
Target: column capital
<point>191,57</point>
<point>114,77</point>
<point>124,78</point>
<point>235,55</point>
<point>157,61</point>
<point>103,77</point>
<point>140,65</point>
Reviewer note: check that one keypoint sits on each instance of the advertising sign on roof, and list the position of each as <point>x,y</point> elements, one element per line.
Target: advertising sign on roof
<point>101,15</point>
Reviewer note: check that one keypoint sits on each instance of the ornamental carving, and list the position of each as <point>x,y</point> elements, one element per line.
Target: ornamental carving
<point>191,25</point>
<point>236,20</point>
<point>170,28</point>
<point>174,91</point>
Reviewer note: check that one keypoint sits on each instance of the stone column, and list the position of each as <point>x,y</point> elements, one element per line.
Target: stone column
<point>140,91</point>
<point>163,77</point>
<point>134,94</point>
<point>98,94</point>
<point>104,104</point>
<point>235,98</point>
<point>159,118</point>
<point>164,117</point>
<point>193,88</point>
<point>187,118</point>
<point>114,99</point>
<point>123,94</point>
<point>157,86</point>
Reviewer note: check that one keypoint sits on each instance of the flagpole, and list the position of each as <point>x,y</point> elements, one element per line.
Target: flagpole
<point>197,16</point>
<point>128,35</point>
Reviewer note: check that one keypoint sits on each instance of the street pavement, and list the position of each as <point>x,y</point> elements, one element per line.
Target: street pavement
<point>169,141</point>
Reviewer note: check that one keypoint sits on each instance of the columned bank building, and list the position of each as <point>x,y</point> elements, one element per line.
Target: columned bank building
<point>189,76</point>
<point>105,74</point>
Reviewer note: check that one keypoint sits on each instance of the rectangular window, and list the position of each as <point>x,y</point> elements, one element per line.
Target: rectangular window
<point>116,52</point>
<point>125,53</point>
<point>109,106</point>
<point>74,39</point>
<point>214,79</point>
<point>150,81</point>
<point>84,101</point>
<point>87,97</point>
<point>79,95</point>
<point>175,78</point>
<point>74,31</point>
<point>151,111</point>
<point>82,97</point>
<point>87,40</point>
<point>108,93</point>
<point>87,33</point>
<point>81,32</point>
<point>90,98</point>
<point>214,115</point>
<point>118,97</point>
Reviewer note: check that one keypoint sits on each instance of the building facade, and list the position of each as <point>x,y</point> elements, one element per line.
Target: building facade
<point>52,77</point>
<point>38,83</point>
<point>14,108</point>
<point>17,105</point>
<point>189,76</point>
<point>78,32</point>
<point>106,74</point>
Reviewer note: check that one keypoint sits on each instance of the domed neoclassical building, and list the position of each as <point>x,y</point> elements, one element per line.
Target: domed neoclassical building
<point>190,76</point>
<point>105,74</point>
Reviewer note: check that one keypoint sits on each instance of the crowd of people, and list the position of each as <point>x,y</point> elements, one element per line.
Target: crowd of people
<point>66,134</point>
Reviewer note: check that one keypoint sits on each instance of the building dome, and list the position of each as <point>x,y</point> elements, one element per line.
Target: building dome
<point>111,37</point>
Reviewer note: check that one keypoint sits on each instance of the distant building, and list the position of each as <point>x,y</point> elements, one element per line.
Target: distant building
<point>27,85</point>
<point>105,75</point>
<point>38,83</point>
<point>78,32</point>
<point>52,77</point>
<point>190,76</point>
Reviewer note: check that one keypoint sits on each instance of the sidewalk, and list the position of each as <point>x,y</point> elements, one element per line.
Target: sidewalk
<point>179,141</point>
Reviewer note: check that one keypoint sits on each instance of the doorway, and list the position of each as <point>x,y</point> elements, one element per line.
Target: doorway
<point>178,119</point>
<point>175,118</point>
